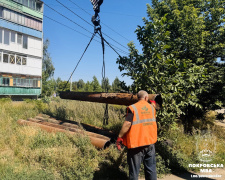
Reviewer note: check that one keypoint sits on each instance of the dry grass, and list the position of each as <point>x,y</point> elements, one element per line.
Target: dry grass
<point>30,153</point>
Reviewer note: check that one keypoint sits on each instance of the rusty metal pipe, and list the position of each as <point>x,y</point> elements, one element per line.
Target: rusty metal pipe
<point>74,124</point>
<point>109,98</point>
<point>52,120</point>
<point>73,129</point>
<point>97,142</point>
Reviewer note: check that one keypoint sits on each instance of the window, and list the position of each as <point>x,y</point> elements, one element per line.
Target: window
<point>13,16</point>
<point>23,82</point>
<point>13,36</point>
<point>25,2</point>
<point>19,16</point>
<point>5,81</point>
<point>35,83</point>
<point>12,59</point>
<point>39,6</point>
<point>0,35</point>
<point>24,61</point>
<point>6,14</point>
<point>32,4</point>
<point>18,60</point>
<point>27,82</point>
<point>19,38</point>
<point>1,11</point>
<point>6,37</point>
<point>28,22</point>
<point>32,23</point>
<point>18,82</point>
<point>14,81</point>
<point>23,20</point>
<point>31,83</point>
<point>5,58</point>
<point>25,41</point>
<point>0,56</point>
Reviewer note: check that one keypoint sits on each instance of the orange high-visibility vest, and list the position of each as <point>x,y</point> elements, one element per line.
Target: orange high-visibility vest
<point>143,130</point>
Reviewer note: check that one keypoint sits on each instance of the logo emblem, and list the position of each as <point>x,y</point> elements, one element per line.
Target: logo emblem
<point>205,147</point>
<point>145,108</point>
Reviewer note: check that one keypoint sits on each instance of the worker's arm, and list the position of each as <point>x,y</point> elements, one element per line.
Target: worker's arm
<point>125,128</point>
<point>127,124</point>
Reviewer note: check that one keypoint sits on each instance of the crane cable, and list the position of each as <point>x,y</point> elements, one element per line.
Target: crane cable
<point>106,114</point>
<point>97,29</point>
<point>80,60</point>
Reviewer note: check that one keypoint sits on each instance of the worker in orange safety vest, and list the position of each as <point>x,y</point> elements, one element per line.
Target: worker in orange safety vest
<point>139,134</point>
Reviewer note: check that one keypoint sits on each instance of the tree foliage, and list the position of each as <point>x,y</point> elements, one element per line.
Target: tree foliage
<point>182,41</point>
<point>95,84</point>
<point>105,85</point>
<point>47,71</point>
<point>63,86</point>
<point>116,85</point>
<point>89,86</point>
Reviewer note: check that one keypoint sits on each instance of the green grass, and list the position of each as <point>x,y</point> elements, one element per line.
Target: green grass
<point>30,153</point>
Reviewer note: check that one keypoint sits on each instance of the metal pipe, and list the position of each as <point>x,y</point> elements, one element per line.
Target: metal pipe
<point>108,98</point>
<point>97,142</point>
<point>74,124</point>
<point>73,129</point>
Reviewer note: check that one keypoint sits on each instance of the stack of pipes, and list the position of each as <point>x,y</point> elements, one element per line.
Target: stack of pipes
<point>52,125</point>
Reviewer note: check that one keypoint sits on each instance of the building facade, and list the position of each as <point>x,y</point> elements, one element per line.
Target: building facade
<point>21,47</point>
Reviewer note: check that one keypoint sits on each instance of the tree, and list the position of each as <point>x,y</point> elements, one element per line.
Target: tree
<point>78,85</point>
<point>116,85</point>
<point>181,40</point>
<point>88,87</point>
<point>95,84</point>
<point>47,71</point>
<point>105,85</point>
<point>63,86</point>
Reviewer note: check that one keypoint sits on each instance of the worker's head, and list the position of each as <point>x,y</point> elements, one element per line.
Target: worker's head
<point>142,95</point>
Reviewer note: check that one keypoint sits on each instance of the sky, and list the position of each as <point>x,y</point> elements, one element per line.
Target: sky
<point>67,45</point>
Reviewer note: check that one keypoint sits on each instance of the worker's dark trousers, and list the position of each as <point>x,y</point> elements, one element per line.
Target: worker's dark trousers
<point>136,156</point>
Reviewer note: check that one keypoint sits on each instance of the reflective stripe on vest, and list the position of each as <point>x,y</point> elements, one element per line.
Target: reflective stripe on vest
<point>138,121</point>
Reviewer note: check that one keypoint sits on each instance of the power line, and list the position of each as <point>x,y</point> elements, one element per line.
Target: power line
<point>74,13</point>
<point>90,24</point>
<point>79,25</point>
<point>68,18</point>
<point>82,33</point>
<point>101,22</point>
<point>68,27</point>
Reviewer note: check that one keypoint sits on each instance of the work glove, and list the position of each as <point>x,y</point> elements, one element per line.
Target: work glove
<point>119,141</point>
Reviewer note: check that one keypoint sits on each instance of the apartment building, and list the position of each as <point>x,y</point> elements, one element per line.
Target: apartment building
<point>21,47</point>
